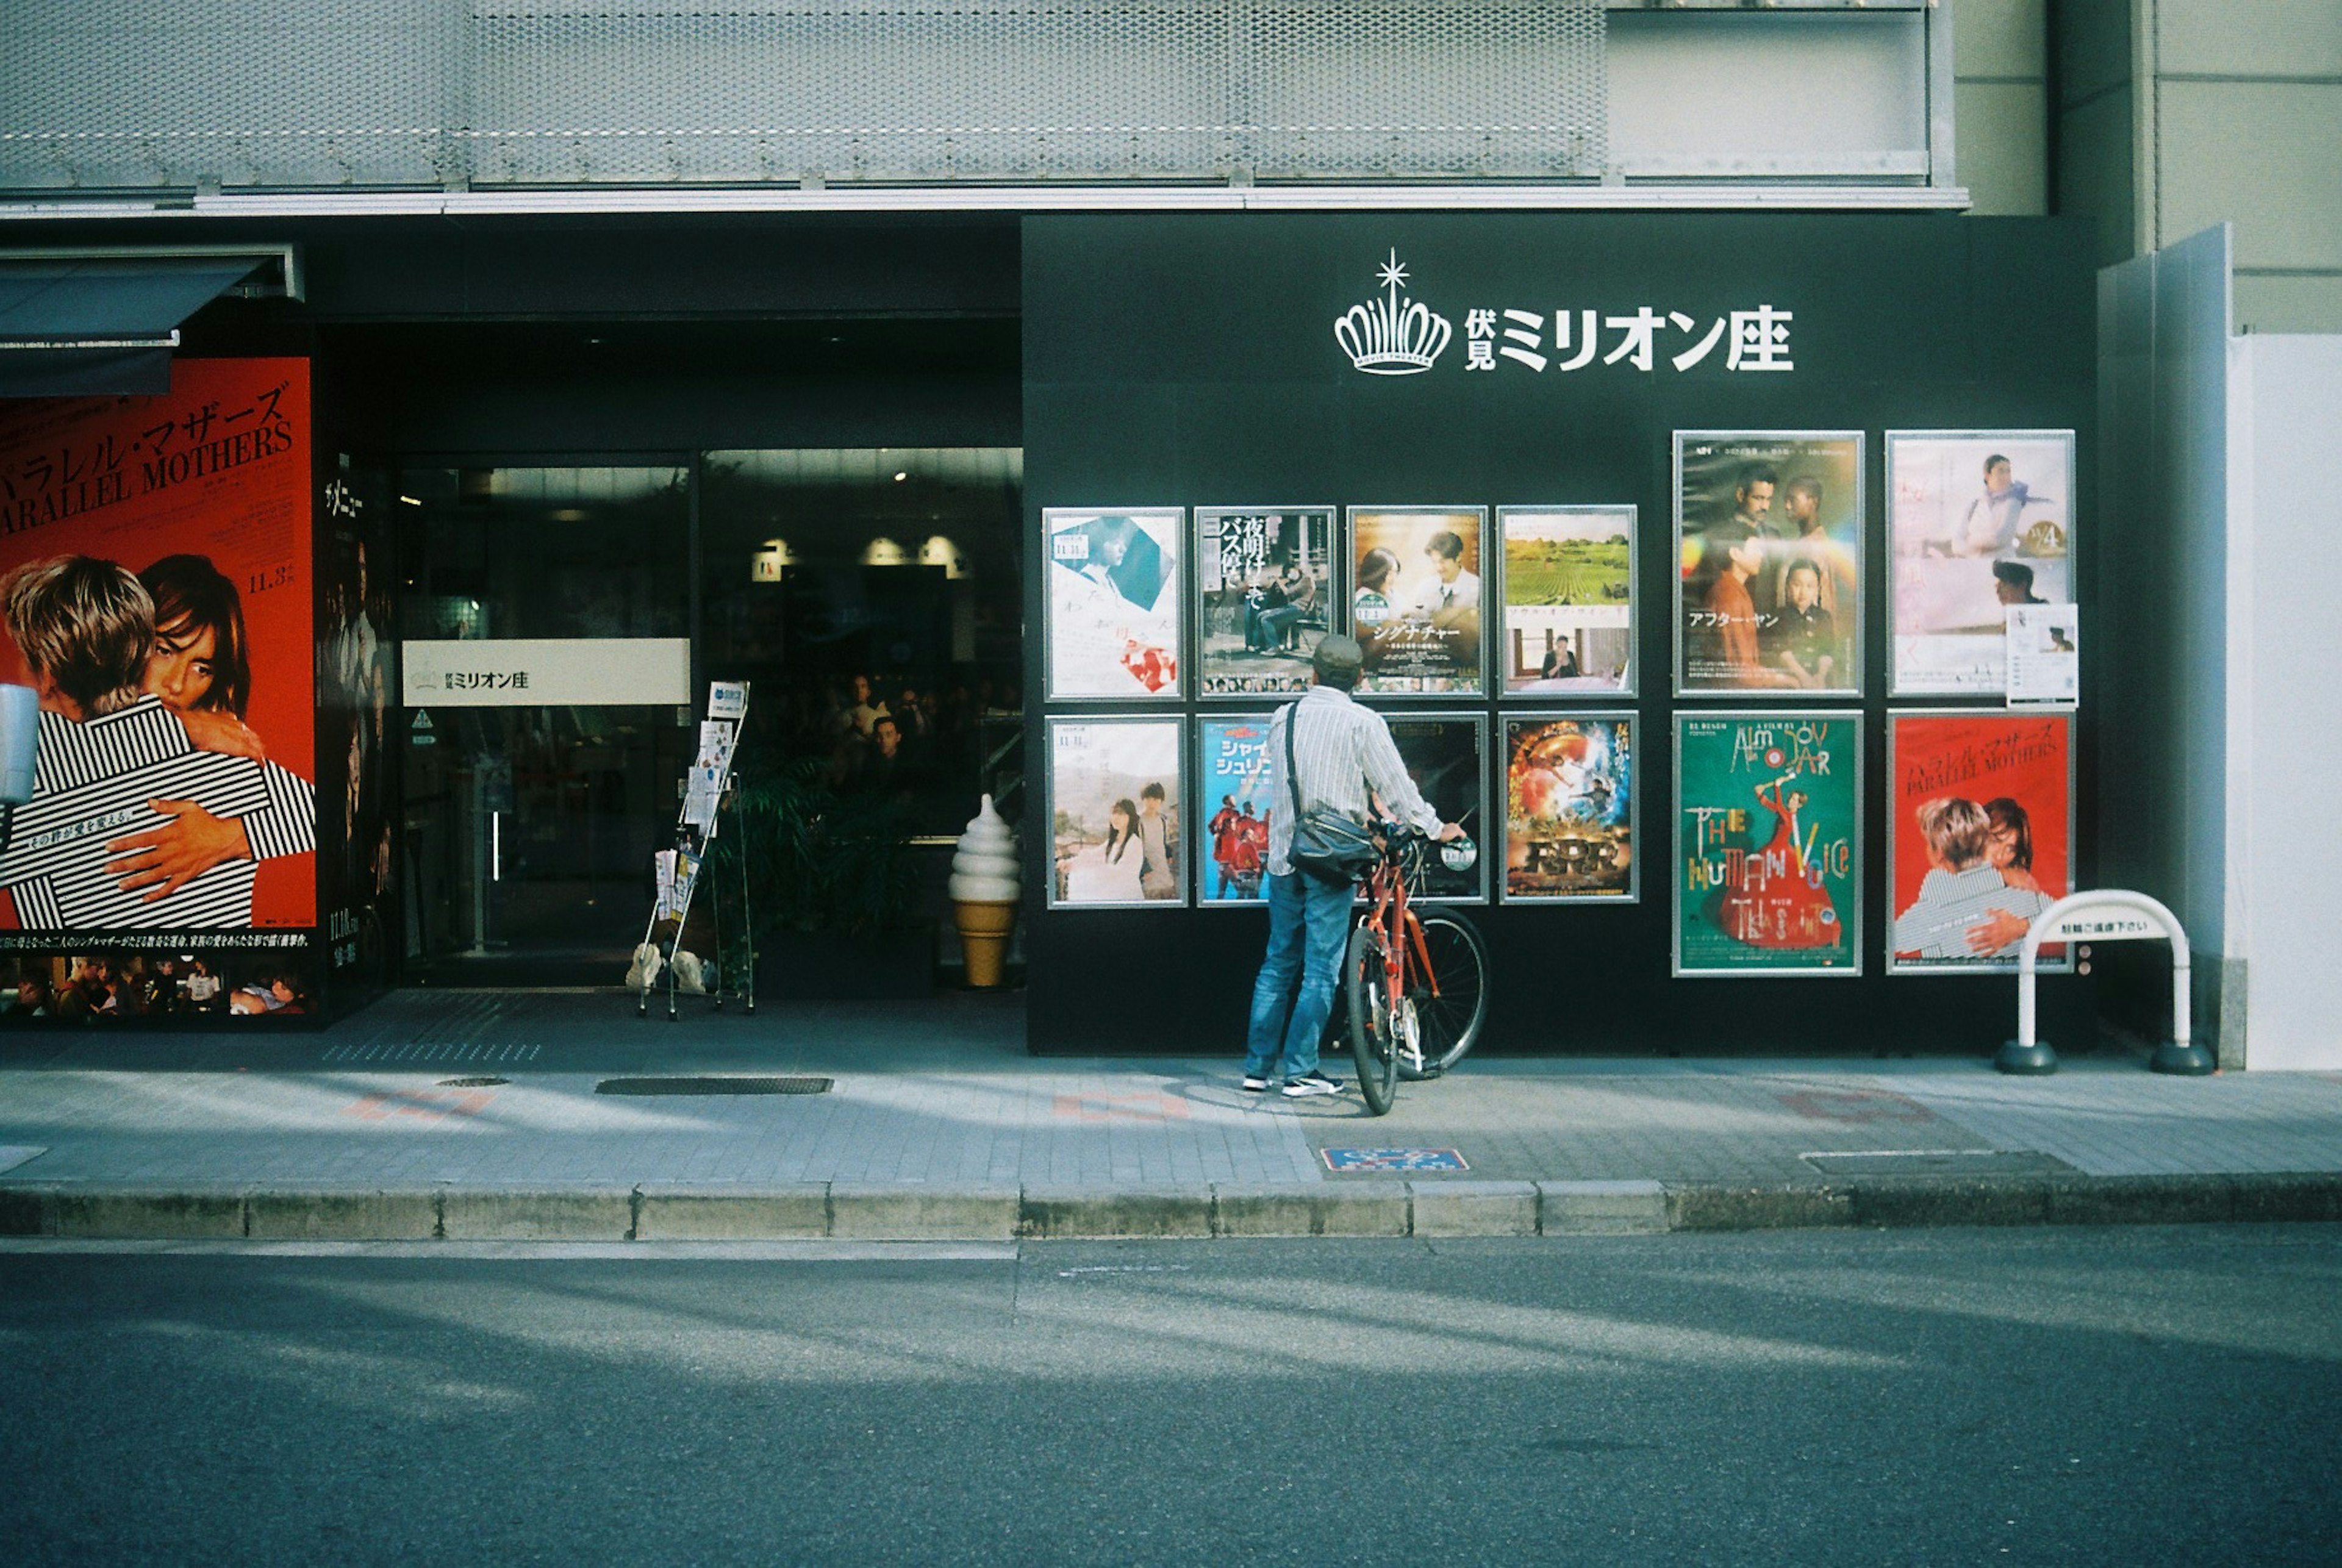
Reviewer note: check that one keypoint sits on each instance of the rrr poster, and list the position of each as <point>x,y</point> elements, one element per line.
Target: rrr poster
<point>1980,836</point>
<point>1115,812</point>
<point>1568,576</point>
<point>154,583</point>
<point>1265,595</point>
<point>1113,610</point>
<point>1232,782</point>
<point>1976,522</point>
<point>1768,582</point>
<point>1443,757</point>
<point>1768,867</point>
<point>1415,598</point>
<point>1569,809</point>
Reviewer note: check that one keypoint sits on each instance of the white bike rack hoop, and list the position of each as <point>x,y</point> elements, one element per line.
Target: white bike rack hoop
<point>2106,915</point>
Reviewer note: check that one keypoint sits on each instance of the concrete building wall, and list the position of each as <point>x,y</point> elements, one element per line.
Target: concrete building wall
<point>2286,866</point>
<point>2176,115</point>
<point>2000,98</point>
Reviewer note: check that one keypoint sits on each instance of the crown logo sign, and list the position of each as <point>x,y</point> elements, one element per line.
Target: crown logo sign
<point>1393,336</point>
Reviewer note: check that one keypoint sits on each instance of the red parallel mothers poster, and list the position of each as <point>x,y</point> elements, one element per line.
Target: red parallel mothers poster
<point>154,583</point>
<point>1981,819</point>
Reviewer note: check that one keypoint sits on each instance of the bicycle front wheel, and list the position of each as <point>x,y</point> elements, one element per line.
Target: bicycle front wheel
<point>1365,986</point>
<point>1451,1000</point>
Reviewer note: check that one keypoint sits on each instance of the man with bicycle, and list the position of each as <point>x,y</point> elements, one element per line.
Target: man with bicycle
<point>1341,752</point>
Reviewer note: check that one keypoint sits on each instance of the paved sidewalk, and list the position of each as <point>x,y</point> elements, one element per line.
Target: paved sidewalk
<point>493,1098</point>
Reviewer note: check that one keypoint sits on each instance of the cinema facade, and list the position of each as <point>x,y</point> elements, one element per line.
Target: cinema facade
<point>1655,473</point>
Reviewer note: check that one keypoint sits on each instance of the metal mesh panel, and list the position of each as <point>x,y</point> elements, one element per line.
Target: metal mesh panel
<point>106,94</point>
<point>175,94</point>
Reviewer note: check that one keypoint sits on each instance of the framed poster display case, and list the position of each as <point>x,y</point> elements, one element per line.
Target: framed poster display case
<point>1977,521</point>
<point>1768,873</point>
<point>1768,531</point>
<point>1566,579</point>
<point>1267,588</point>
<point>1111,619</point>
<point>1116,803</point>
<point>1416,589</point>
<point>1446,756</point>
<point>1979,838</point>
<point>1232,782</point>
<point>1572,809</point>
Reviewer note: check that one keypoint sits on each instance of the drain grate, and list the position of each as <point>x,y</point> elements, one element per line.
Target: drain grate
<point>473,1083</point>
<point>713,1086</point>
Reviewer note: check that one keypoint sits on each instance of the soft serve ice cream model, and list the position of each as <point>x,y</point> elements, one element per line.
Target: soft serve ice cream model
<point>986,882</point>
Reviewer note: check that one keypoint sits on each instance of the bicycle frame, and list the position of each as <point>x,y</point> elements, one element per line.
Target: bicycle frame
<point>1405,954</point>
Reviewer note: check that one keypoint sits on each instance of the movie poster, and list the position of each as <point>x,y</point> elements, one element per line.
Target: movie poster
<point>1113,612</point>
<point>1568,579</point>
<point>1232,782</point>
<point>1115,812</point>
<point>1768,581</point>
<point>154,580</point>
<point>356,885</point>
<point>1415,598</point>
<point>1569,809</point>
<point>1768,864</point>
<point>1976,522</point>
<point>1265,595</point>
<point>1980,836</point>
<point>1443,757</point>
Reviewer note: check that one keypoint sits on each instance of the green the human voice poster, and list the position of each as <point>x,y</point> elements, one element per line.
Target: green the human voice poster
<point>1768,873</point>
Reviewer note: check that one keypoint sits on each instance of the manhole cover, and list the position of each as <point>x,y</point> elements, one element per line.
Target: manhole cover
<point>1393,1160</point>
<point>473,1083</point>
<point>713,1086</point>
<point>1939,1163</point>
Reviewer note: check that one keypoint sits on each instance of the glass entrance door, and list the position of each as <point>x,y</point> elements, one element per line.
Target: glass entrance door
<point>531,825</point>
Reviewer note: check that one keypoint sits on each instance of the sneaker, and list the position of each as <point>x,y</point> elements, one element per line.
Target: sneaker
<point>1253,1083</point>
<point>1309,1084</point>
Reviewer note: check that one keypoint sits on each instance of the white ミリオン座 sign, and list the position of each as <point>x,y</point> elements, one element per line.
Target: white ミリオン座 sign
<point>539,672</point>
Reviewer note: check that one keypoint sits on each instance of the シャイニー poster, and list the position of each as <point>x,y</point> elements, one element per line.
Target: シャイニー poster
<point>1116,807</point>
<point>1768,582</point>
<point>155,582</point>
<point>1265,595</point>
<point>1568,577</point>
<point>1442,755</point>
<point>1415,598</point>
<point>1113,612</point>
<point>1980,837</point>
<point>1769,872</point>
<point>1569,809</point>
<point>1976,522</point>
<point>1232,782</point>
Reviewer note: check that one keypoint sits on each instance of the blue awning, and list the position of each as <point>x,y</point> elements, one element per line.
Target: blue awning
<point>98,325</point>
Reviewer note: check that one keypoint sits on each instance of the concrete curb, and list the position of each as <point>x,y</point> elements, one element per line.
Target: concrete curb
<point>815,1211</point>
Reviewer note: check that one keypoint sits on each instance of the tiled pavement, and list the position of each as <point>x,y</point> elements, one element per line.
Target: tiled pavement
<point>942,1096</point>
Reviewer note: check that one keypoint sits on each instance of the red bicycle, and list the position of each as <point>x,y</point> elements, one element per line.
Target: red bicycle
<point>1416,983</point>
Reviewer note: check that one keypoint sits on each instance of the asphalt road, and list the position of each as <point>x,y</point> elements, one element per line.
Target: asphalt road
<point>2115,1395</point>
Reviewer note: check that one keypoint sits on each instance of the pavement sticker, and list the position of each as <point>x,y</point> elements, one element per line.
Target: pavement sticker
<point>1393,1160</point>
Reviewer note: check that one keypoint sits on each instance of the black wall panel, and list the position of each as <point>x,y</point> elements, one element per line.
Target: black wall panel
<point>1187,360</point>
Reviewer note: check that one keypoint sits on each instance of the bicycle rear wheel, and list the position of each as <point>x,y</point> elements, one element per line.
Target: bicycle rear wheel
<point>1449,1022</point>
<point>1365,986</point>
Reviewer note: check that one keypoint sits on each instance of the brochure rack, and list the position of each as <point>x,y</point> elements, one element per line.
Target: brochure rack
<point>710,792</point>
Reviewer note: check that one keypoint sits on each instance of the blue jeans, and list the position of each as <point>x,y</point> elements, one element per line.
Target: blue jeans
<point>1308,926</point>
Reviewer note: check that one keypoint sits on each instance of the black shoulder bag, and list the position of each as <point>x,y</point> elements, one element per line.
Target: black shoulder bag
<point>1326,844</point>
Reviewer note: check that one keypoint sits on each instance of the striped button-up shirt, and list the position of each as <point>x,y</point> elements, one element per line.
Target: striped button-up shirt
<point>91,784</point>
<point>1341,750</point>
